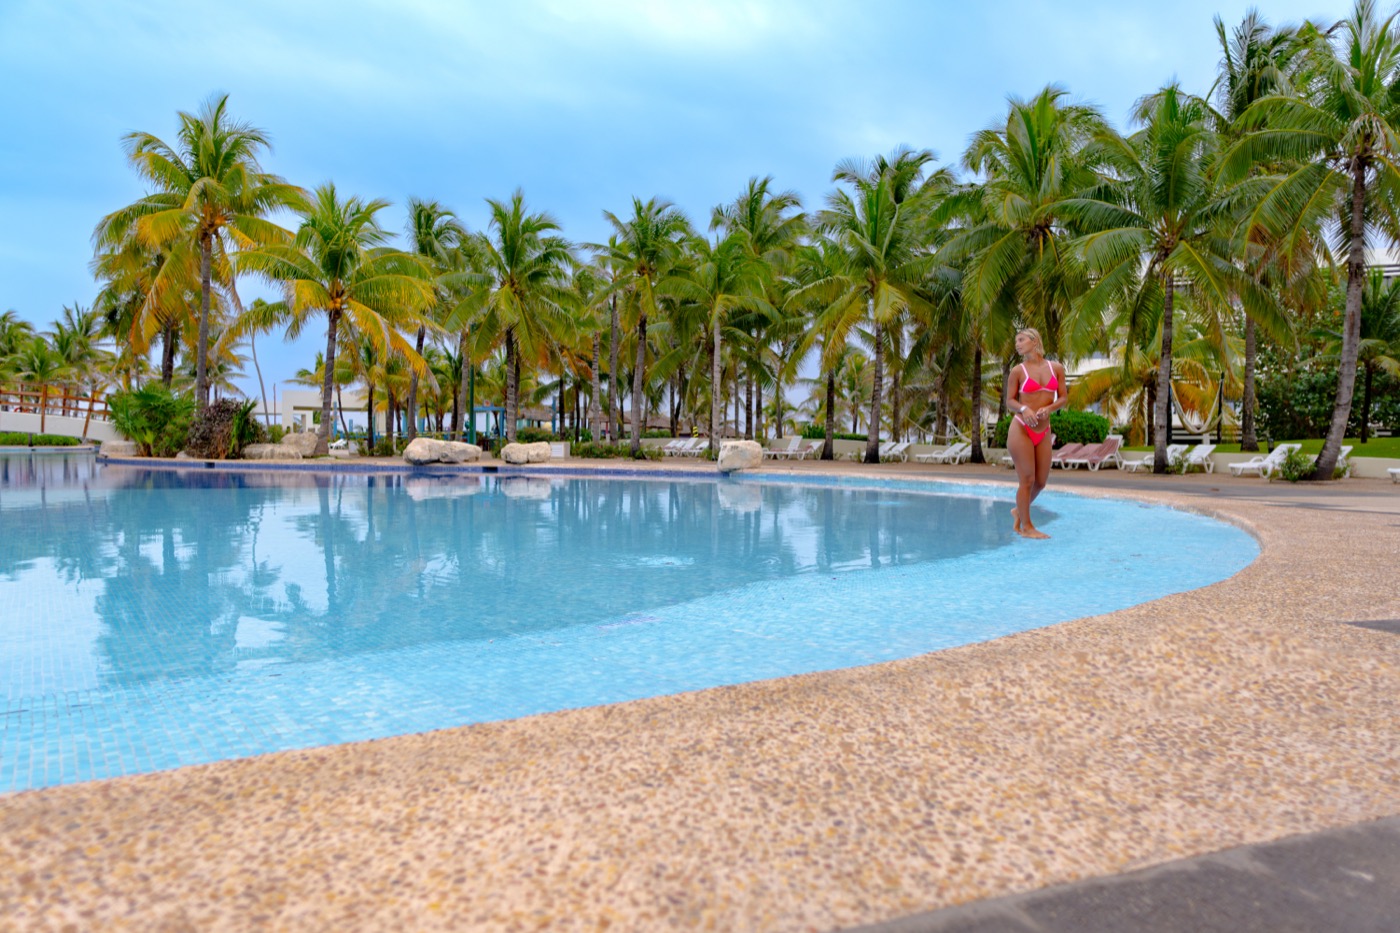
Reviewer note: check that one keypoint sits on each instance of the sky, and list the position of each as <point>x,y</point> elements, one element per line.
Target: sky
<point>583,104</point>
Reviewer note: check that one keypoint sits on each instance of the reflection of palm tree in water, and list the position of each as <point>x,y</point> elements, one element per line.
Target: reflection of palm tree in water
<point>474,562</point>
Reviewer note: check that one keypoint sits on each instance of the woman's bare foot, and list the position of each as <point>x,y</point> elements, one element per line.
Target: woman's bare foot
<point>1030,531</point>
<point>1016,519</point>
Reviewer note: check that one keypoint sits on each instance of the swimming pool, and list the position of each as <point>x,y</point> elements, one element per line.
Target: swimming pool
<point>157,618</point>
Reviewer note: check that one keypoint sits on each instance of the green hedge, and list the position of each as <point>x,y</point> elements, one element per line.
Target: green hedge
<point>1069,427</point>
<point>817,432</point>
<point>21,439</point>
<point>599,451</point>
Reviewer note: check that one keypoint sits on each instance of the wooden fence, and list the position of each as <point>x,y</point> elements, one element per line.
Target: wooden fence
<point>62,401</point>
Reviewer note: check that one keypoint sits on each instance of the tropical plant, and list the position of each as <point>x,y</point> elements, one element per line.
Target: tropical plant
<point>154,418</point>
<point>338,266</point>
<point>877,226</point>
<point>1378,347</point>
<point>521,294</point>
<point>1340,134</point>
<point>647,250</point>
<point>210,192</point>
<point>1159,234</point>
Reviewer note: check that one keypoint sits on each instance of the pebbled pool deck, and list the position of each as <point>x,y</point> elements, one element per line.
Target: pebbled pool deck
<point>1241,713</point>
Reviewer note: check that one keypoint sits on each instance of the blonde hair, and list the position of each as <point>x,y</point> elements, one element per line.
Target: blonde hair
<point>1032,332</point>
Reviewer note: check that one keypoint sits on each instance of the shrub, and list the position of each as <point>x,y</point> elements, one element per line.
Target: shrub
<point>599,451</point>
<point>153,417</point>
<point>817,432</point>
<point>1069,427</point>
<point>222,429</point>
<point>1296,466</point>
<point>275,433</point>
<point>23,439</point>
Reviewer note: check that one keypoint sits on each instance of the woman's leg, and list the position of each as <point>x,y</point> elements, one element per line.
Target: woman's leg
<point>1023,455</point>
<point>1040,475</point>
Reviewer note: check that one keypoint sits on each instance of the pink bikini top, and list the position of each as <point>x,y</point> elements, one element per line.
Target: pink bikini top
<point>1030,385</point>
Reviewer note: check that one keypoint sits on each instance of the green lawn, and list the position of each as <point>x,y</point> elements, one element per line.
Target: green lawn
<point>1375,447</point>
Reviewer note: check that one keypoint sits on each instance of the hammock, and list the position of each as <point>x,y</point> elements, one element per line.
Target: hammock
<point>1188,421</point>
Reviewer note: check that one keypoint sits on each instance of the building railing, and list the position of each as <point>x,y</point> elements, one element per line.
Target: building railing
<point>61,401</point>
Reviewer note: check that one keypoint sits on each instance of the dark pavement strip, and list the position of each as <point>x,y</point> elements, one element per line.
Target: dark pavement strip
<point>1344,880</point>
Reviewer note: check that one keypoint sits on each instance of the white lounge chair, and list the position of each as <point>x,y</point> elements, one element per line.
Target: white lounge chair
<point>696,447</point>
<point>1394,474</point>
<point>859,452</point>
<point>1060,458</point>
<point>811,449</point>
<point>1200,457</point>
<point>898,451</point>
<point>675,446</point>
<point>783,452</point>
<point>1266,465</point>
<point>953,453</point>
<point>1174,453</point>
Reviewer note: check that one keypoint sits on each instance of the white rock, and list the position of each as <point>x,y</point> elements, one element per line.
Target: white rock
<point>120,449</point>
<point>459,452</point>
<point>270,452</point>
<point>303,442</point>
<point>518,454</point>
<point>423,450</point>
<point>739,455</point>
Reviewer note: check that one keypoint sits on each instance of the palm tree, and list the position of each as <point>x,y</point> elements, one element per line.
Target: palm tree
<point>1342,131</point>
<point>338,266</point>
<point>521,294</point>
<point>15,333</point>
<point>726,278</point>
<point>1378,349</point>
<point>647,248</point>
<point>1160,233</point>
<point>209,189</point>
<point>1015,237</point>
<point>1254,62</point>
<point>434,233</point>
<point>878,227</point>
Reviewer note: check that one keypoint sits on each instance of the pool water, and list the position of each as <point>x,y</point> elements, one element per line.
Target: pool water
<point>155,618</point>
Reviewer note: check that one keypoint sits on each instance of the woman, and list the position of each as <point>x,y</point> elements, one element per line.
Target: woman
<point>1036,388</point>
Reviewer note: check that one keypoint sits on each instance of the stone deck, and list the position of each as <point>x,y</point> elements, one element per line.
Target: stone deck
<point>1243,712</point>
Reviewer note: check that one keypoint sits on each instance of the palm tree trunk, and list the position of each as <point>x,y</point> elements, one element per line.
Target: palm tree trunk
<point>323,431</point>
<point>638,381</point>
<point>758,408</point>
<point>1351,329</point>
<point>1164,380</point>
<point>201,376</point>
<point>1001,396</point>
<point>167,354</point>
<point>391,416</point>
<point>413,391</point>
<point>340,407</point>
<point>748,403</point>
<point>1249,440</point>
<point>595,417</point>
<point>977,456</point>
<point>512,386</point>
<point>829,445</point>
<point>459,401</point>
<point>716,391</point>
<point>614,405</point>
<point>369,406</point>
<point>1366,406</point>
<point>872,427</point>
